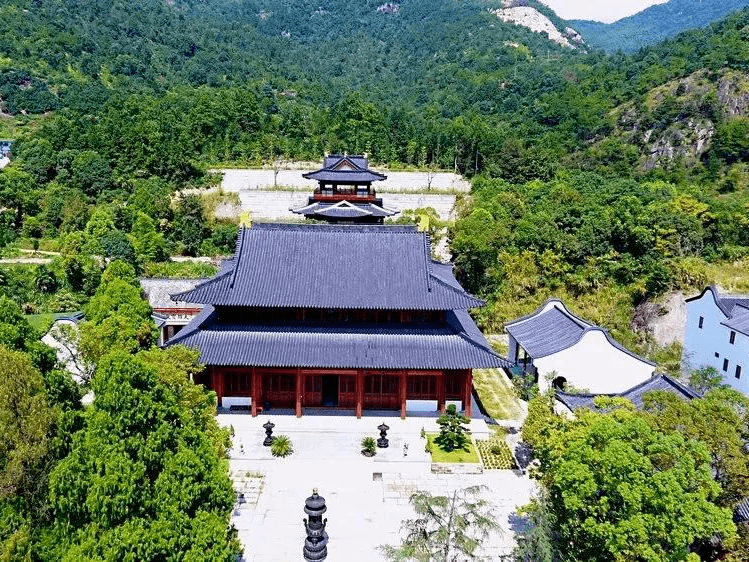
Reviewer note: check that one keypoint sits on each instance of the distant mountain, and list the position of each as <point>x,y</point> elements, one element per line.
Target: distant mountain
<point>655,24</point>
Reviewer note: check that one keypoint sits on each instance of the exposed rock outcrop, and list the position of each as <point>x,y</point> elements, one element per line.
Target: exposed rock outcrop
<point>677,121</point>
<point>532,19</point>
<point>664,321</point>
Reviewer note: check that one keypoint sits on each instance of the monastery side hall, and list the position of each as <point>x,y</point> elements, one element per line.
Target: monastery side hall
<point>355,317</point>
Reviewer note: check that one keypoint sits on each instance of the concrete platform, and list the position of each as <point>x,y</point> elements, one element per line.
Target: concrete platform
<point>367,498</point>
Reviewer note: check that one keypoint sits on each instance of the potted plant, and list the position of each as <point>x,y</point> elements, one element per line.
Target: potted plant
<point>281,446</point>
<point>368,447</point>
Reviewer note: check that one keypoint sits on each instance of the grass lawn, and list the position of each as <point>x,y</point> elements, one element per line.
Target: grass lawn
<point>458,455</point>
<point>497,394</point>
<point>41,322</point>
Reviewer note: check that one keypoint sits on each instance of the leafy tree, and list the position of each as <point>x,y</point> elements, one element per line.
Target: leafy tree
<point>705,379</point>
<point>447,528</point>
<point>537,541</point>
<point>176,368</point>
<point>82,273</point>
<point>149,245</point>
<point>45,280</point>
<point>620,489</point>
<point>17,334</point>
<point>26,419</point>
<point>142,480</point>
<point>17,192</point>
<point>191,223</point>
<point>719,421</point>
<point>453,432</point>
<point>118,317</point>
<point>27,423</point>
<point>90,172</point>
<point>732,140</point>
<point>117,246</point>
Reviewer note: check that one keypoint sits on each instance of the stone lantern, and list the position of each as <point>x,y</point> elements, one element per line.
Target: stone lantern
<point>316,543</point>
<point>268,441</point>
<point>383,442</point>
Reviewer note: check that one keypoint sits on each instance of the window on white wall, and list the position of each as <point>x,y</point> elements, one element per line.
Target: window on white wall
<point>738,372</point>
<point>732,337</point>
<point>725,364</point>
<point>701,321</point>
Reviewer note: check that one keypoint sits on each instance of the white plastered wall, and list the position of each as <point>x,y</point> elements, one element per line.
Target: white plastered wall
<point>711,344</point>
<point>593,363</point>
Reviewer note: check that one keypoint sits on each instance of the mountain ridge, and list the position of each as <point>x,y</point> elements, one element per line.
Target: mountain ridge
<point>654,24</point>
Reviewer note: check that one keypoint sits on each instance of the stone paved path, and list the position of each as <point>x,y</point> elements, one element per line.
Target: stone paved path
<point>367,498</point>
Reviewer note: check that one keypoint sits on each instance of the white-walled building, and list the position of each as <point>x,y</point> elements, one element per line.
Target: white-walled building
<point>580,354</point>
<point>717,335</point>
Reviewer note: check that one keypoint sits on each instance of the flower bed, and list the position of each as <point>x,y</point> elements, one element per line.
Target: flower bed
<point>495,454</point>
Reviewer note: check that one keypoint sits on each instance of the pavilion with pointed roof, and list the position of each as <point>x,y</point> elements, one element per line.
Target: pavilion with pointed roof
<point>345,192</point>
<point>355,317</point>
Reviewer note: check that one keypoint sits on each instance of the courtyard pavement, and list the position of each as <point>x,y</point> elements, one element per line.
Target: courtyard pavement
<point>367,498</point>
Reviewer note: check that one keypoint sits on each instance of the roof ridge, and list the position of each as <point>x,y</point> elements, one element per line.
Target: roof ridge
<point>194,325</point>
<point>240,245</point>
<point>535,312</point>
<point>488,348</point>
<point>680,385</point>
<point>615,343</point>
<point>455,290</point>
<point>210,281</point>
<point>716,298</point>
<point>348,228</point>
<point>427,260</point>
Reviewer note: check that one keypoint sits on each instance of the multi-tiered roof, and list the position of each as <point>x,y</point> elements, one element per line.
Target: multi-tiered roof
<point>345,192</point>
<point>352,281</point>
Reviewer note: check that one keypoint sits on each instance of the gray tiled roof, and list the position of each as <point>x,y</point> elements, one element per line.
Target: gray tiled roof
<point>547,333</point>
<point>159,291</point>
<point>345,169</point>
<point>741,513</point>
<point>345,209</point>
<point>739,320</point>
<point>328,266</point>
<point>339,345</point>
<point>634,394</point>
<point>730,301</point>
<point>331,160</point>
<point>344,176</point>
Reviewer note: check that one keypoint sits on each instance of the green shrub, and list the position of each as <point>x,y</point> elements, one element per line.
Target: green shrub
<point>281,446</point>
<point>452,429</point>
<point>368,446</point>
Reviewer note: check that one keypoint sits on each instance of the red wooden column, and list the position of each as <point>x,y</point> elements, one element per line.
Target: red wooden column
<point>217,384</point>
<point>402,389</point>
<point>441,383</point>
<point>467,393</point>
<point>255,392</point>
<point>359,392</point>
<point>299,392</point>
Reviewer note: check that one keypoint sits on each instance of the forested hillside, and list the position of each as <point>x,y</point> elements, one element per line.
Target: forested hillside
<point>655,23</point>
<point>605,179</point>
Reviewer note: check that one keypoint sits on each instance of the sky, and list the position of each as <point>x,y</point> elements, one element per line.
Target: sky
<point>606,11</point>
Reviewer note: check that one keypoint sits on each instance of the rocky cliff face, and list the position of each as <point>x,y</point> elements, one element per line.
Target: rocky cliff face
<point>677,120</point>
<point>515,11</point>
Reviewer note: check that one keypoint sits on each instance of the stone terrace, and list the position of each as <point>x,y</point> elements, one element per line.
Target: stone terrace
<point>367,498</point>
